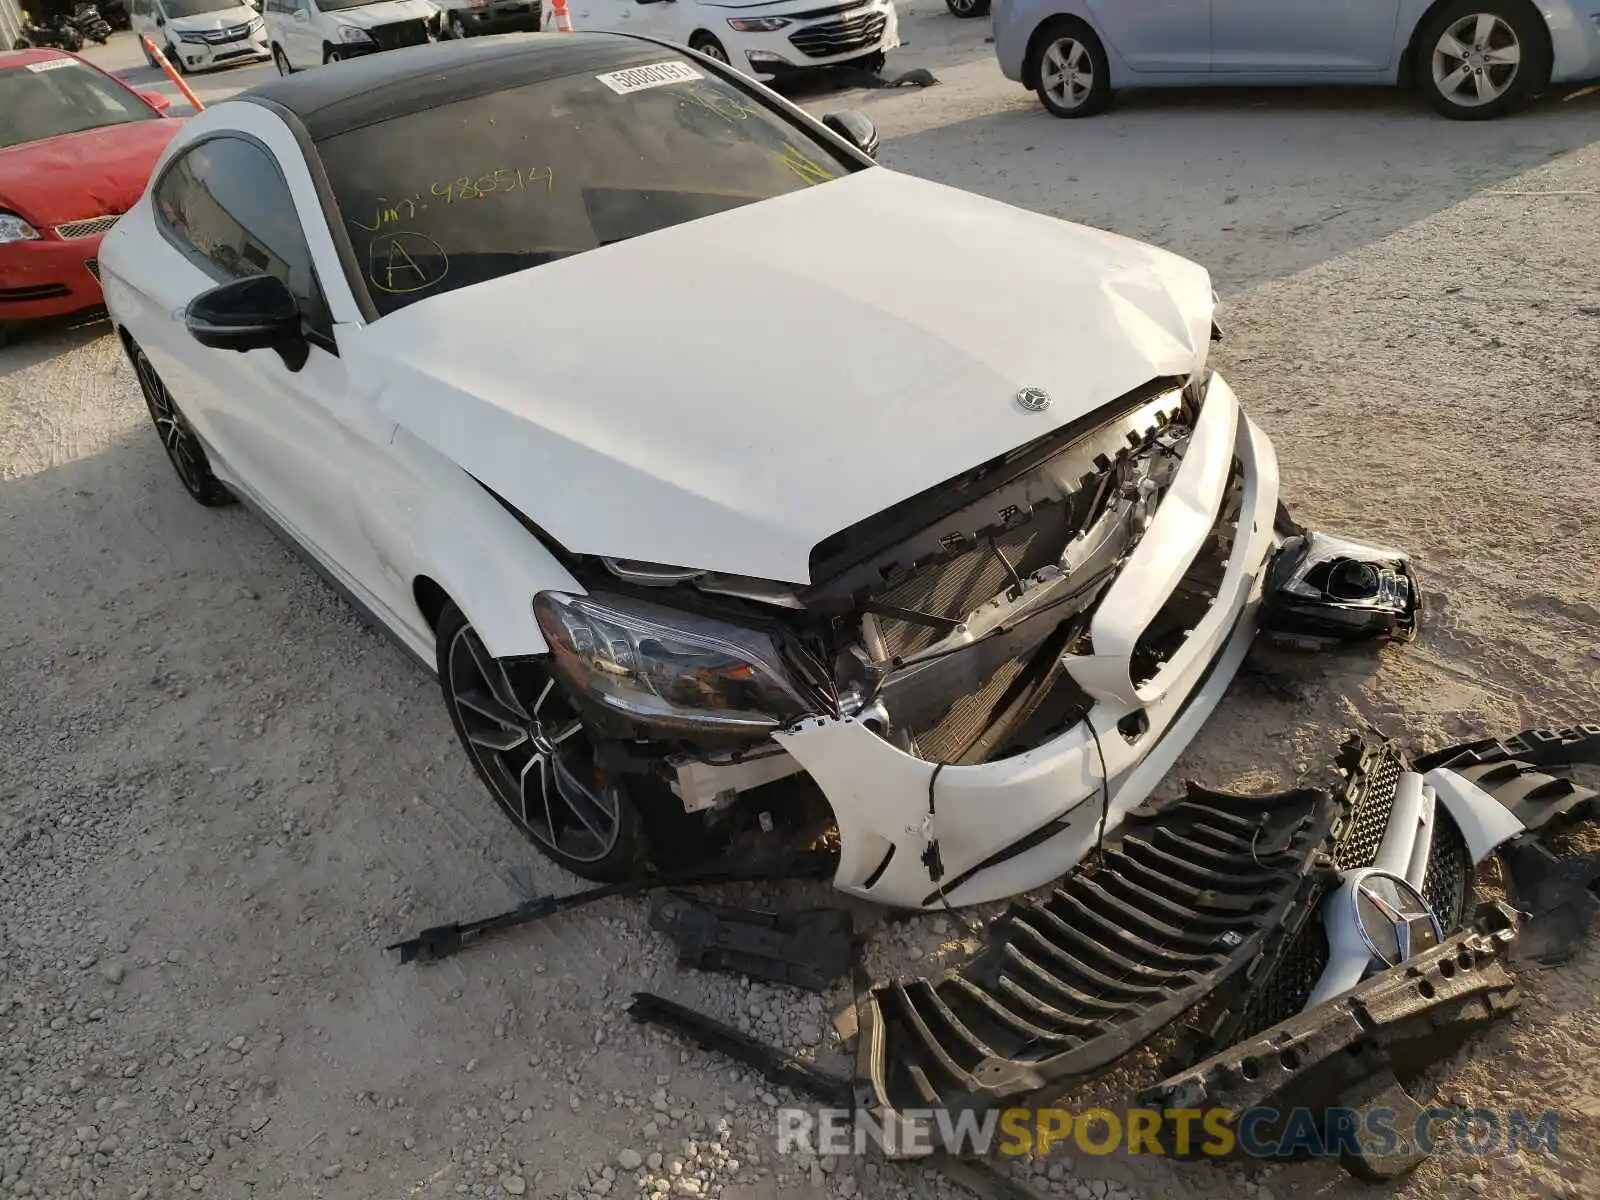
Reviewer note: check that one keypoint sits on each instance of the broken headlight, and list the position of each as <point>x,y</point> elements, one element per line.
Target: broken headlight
<point>1322,589</point>
<point>669,671</point>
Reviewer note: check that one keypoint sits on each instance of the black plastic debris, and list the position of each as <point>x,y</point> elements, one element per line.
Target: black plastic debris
<point>1322,590</point>
<point>1355,1049</point>
<point>809,949</point>
<point>443,941</point>
<point>718,1036</point>
<point>1558,748</point>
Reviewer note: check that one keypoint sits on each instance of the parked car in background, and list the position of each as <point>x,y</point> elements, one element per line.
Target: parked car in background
<point>764,40</point>
<point>308,33</point>
<point>467,18</point>
<point>1472,59</point>
<point>76,149</point>
<point>196,35</point>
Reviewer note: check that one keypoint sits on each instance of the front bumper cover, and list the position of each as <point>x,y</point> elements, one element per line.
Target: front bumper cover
<point>1008,826</point>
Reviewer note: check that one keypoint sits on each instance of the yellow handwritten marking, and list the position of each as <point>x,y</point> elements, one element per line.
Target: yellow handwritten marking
<point>813,173</point>
<point>729,108</point>
<point>392,268</point>
<point>500,179</point>
<point>402,210</point>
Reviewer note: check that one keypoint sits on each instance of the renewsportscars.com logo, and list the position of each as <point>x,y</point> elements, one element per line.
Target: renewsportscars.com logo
<point>1184,1133</point>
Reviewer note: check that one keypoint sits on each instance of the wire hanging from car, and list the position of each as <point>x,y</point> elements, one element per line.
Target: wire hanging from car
<point>1105,790</point>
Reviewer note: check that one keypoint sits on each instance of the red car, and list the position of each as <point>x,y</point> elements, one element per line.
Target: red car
<point>76,149</point>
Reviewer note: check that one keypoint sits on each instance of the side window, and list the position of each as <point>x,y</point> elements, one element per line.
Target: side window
<point>226,206</point>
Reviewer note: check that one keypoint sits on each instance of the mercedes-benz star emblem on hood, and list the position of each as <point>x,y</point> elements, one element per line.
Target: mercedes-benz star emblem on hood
<point>1033,399</point>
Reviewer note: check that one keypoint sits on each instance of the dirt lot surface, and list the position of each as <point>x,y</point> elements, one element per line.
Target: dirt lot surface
<point>220,794</point>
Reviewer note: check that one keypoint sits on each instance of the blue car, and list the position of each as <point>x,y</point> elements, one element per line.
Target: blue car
<point>1472,59</point>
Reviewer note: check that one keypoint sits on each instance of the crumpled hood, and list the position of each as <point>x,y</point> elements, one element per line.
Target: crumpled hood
<point>726,393</point>
<point>386,13</point>
<point>82,175</point>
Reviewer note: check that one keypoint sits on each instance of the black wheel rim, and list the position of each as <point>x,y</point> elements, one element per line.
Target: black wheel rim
<point>714,50</point>
<point>535,753</point>
<point>181,445</point>
<point>963,6</point>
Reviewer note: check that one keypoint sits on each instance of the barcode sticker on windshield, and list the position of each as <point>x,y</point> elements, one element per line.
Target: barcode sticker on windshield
<point>50,64</point>
<point>636,79</point>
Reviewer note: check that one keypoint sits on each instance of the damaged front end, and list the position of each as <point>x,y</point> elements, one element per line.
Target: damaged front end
<point>983,679</point>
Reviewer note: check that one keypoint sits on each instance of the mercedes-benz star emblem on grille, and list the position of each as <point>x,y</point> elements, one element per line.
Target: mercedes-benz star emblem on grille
<point>1033,399</point>
<point>1395,921</point>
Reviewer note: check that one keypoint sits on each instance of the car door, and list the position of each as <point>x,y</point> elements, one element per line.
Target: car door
<point>1157,36</point>
<point>604,16</point>
<point>302,35</point>
<point>296,442</point>
<point>1308,39</point>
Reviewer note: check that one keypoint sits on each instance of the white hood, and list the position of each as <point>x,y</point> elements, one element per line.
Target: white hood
<point>386,12</point>
<point>726,393</point>
<point>226,18</point>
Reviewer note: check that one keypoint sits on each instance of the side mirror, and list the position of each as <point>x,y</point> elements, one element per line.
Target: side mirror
<point>160,21</point>
<point>156,101</point>
<point>258,313</point>
<point>855,128</point>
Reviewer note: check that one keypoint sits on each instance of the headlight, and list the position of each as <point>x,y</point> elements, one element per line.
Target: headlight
<point>673,670</point>
<point>258,25</point>
<point>349,33</point>
<point>14,229</point>
<point>757,24</point>
<point>192,38</point>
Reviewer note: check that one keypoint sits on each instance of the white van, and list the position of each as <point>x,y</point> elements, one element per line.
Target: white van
<point>308,33</point>
<point>198,34</point>
<point>764,39</point>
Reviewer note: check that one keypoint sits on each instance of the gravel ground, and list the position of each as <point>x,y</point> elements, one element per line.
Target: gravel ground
<point>220,794</point>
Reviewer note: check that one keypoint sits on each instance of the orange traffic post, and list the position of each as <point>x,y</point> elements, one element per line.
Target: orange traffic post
<point>172,74</point>
<point>563,17</point>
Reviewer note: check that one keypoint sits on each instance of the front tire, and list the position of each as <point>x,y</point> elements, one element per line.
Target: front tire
<point>458,28</point>
<point>172,57</point>
<point>1480,59</point>
<point>531,748</point>
<point>178,438</point>
<point>967,9</point>
<point>1071,75</point>
<point>281,61</point>
<point>709,46</point>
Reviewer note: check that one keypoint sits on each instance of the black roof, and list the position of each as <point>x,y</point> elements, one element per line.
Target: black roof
<point>376,87</point>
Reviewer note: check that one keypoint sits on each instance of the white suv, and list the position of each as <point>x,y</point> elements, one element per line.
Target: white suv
<point>199,34</point>
<point>309,33</point>
<point>764,40</point>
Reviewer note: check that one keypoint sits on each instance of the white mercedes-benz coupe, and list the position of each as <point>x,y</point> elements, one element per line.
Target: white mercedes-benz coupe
<point>716,470</point>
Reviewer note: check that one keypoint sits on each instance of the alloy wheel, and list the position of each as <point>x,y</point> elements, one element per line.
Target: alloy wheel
<point>1066,72</point>
<point>178,439</point>
<point>1476,60</point>
<point>535,753</point>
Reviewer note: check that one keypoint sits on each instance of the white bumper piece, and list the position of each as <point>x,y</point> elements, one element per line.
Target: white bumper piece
<point>1010,825</point>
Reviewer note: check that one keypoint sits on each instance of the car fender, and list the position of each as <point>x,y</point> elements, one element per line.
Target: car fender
<point>471,546</point>
<point>1020,22</point>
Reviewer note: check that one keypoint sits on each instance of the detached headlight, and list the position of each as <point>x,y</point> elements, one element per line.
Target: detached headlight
<point>757,24</point>
<point>676,671</point>
<point>349,33</point>
<point>14,229</point>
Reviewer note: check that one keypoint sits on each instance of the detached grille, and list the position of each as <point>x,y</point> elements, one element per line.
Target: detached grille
<point>400,33</point>
<point>1287,987</point>
<point>1181,902</point>
<point>856,32</point>
<point>86,228</point>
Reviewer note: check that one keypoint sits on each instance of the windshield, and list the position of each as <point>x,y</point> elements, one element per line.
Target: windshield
<point>468,191</point>
<point>59,95</point>
<point>197,8</point>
